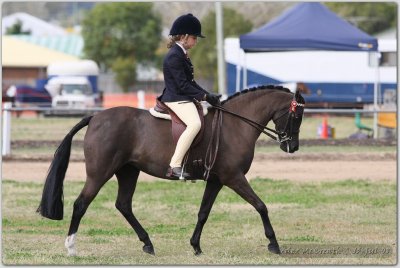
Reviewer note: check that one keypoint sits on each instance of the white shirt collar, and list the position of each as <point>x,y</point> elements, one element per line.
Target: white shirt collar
<point>184,50</point>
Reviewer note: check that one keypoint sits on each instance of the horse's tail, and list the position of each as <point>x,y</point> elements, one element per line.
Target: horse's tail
<point>51,206</point>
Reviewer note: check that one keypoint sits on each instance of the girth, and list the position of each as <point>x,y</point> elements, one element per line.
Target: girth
<point>178,126</point>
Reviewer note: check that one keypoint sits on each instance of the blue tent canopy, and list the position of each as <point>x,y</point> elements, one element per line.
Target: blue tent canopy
<point>308,26</point>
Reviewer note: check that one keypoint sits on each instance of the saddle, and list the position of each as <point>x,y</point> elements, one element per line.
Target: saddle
<point>178,126</point>
<point>199,164</point>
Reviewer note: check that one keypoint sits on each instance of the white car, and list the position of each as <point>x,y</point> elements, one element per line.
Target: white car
<point>71,92</point>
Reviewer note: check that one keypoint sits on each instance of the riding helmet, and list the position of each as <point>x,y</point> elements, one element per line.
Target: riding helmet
<point>186,24</point>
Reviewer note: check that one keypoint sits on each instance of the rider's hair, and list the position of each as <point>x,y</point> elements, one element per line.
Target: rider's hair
<point>172,39</point>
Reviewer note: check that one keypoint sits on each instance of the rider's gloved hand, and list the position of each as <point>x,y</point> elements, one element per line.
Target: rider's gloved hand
<point>213,99</point>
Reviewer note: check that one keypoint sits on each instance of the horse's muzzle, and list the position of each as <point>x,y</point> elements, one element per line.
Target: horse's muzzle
<point>290,146</point>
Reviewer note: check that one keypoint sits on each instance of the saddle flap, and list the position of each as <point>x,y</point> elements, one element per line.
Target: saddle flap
<point>161,107</point>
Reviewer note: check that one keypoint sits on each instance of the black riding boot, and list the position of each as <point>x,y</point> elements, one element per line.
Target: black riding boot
<point>176,172</point>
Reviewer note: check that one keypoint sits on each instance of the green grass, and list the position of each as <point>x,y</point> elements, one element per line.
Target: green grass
<point>41,128</point>
<point>38,129</point>
<point>342,212</point>
<point>344,125</point>
<point>48,151</point>
<point>332,149</point>
<point>45,151</point>
<point>56,128</point>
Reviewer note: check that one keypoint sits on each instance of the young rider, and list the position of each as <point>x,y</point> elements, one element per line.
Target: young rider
<point>180,87</point>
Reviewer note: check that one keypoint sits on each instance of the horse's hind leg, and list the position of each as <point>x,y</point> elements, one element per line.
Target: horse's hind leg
<point>127,177</point>
<point>81,204</point>
<point>241,186</point>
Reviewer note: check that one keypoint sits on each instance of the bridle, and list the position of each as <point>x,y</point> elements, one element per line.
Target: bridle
<point>281,135</point>
<point>295,111</point>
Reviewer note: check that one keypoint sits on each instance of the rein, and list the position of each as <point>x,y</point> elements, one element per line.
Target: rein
<point>211,155</point>
<point>280,136</point>
<point>258,126</point>
<point>212,151</point>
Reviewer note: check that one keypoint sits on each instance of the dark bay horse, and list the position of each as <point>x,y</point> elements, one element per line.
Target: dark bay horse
<point>124,141</point>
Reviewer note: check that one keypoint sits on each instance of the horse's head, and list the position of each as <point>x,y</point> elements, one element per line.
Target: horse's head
<point>287,123</point>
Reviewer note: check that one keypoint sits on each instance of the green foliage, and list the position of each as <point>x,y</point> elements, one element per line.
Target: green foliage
<point>204,55</point>
<point>116,33</point>
<point>371,17</point>
<point>125,70</point>
<point>16,28</point>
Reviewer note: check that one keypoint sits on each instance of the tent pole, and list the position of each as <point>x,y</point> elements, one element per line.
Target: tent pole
<point>238,70</point>
<point>244,71</point>
<point>377,56</point>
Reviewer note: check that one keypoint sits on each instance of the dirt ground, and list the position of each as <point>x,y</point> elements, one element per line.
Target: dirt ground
<point>300,167</point>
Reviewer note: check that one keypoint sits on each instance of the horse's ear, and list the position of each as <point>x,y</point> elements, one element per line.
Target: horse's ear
<point>297,94</point>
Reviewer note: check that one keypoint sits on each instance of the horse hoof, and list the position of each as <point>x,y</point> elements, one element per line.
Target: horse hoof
<point>71,253</point>
<point>274,248</point>
<point>198,252</point>
<point>149,249</point>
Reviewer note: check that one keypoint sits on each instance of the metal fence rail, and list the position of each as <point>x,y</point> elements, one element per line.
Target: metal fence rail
<point>50,109</point>
<point>99,109</point>
<point>347,111</point>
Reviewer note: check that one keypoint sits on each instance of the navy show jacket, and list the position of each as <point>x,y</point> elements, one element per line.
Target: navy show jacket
<point>179,78</point>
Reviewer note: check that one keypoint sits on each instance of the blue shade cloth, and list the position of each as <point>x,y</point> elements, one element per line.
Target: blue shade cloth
<point>308,26</point>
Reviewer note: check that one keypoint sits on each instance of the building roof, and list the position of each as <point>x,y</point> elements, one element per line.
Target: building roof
<point>30,23</point>
<point>18,53</point>
<point>69,44</point>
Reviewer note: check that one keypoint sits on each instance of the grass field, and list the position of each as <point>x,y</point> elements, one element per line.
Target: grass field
<point>319,213</point>
<point>40,129</point>
<point>346,212</point>
<point>333,149</point>
<point>57,128</point>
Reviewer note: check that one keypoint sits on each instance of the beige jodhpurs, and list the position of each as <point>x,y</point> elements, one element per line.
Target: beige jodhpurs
<point>187,112</point>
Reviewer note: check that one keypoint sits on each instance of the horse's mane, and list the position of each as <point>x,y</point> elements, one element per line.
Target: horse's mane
<point>263,87</point>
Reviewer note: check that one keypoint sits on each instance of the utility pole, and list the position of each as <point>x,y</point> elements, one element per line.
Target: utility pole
<point>220,48</point>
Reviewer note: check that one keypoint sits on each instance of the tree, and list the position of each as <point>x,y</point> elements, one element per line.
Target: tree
<point>204,55</point>
<point>120,33</point>
<point>16,28</point>
<point>371,17</point>
<point>124,68</point>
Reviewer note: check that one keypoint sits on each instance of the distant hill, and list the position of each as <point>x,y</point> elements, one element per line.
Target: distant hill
<point>258,13</point>
<point>67,14</point>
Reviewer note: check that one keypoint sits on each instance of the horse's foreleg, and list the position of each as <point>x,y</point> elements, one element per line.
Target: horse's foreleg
<point>241,186</point>
<point>210,194</point>
<point>127,178</point>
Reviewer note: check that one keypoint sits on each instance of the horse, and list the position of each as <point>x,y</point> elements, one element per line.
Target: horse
<point>126,140</point>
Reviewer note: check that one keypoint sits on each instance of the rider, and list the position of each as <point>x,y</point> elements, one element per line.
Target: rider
<point>180,87</point>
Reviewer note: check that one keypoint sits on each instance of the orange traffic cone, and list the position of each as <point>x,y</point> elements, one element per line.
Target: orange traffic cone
<point>324,131</point>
